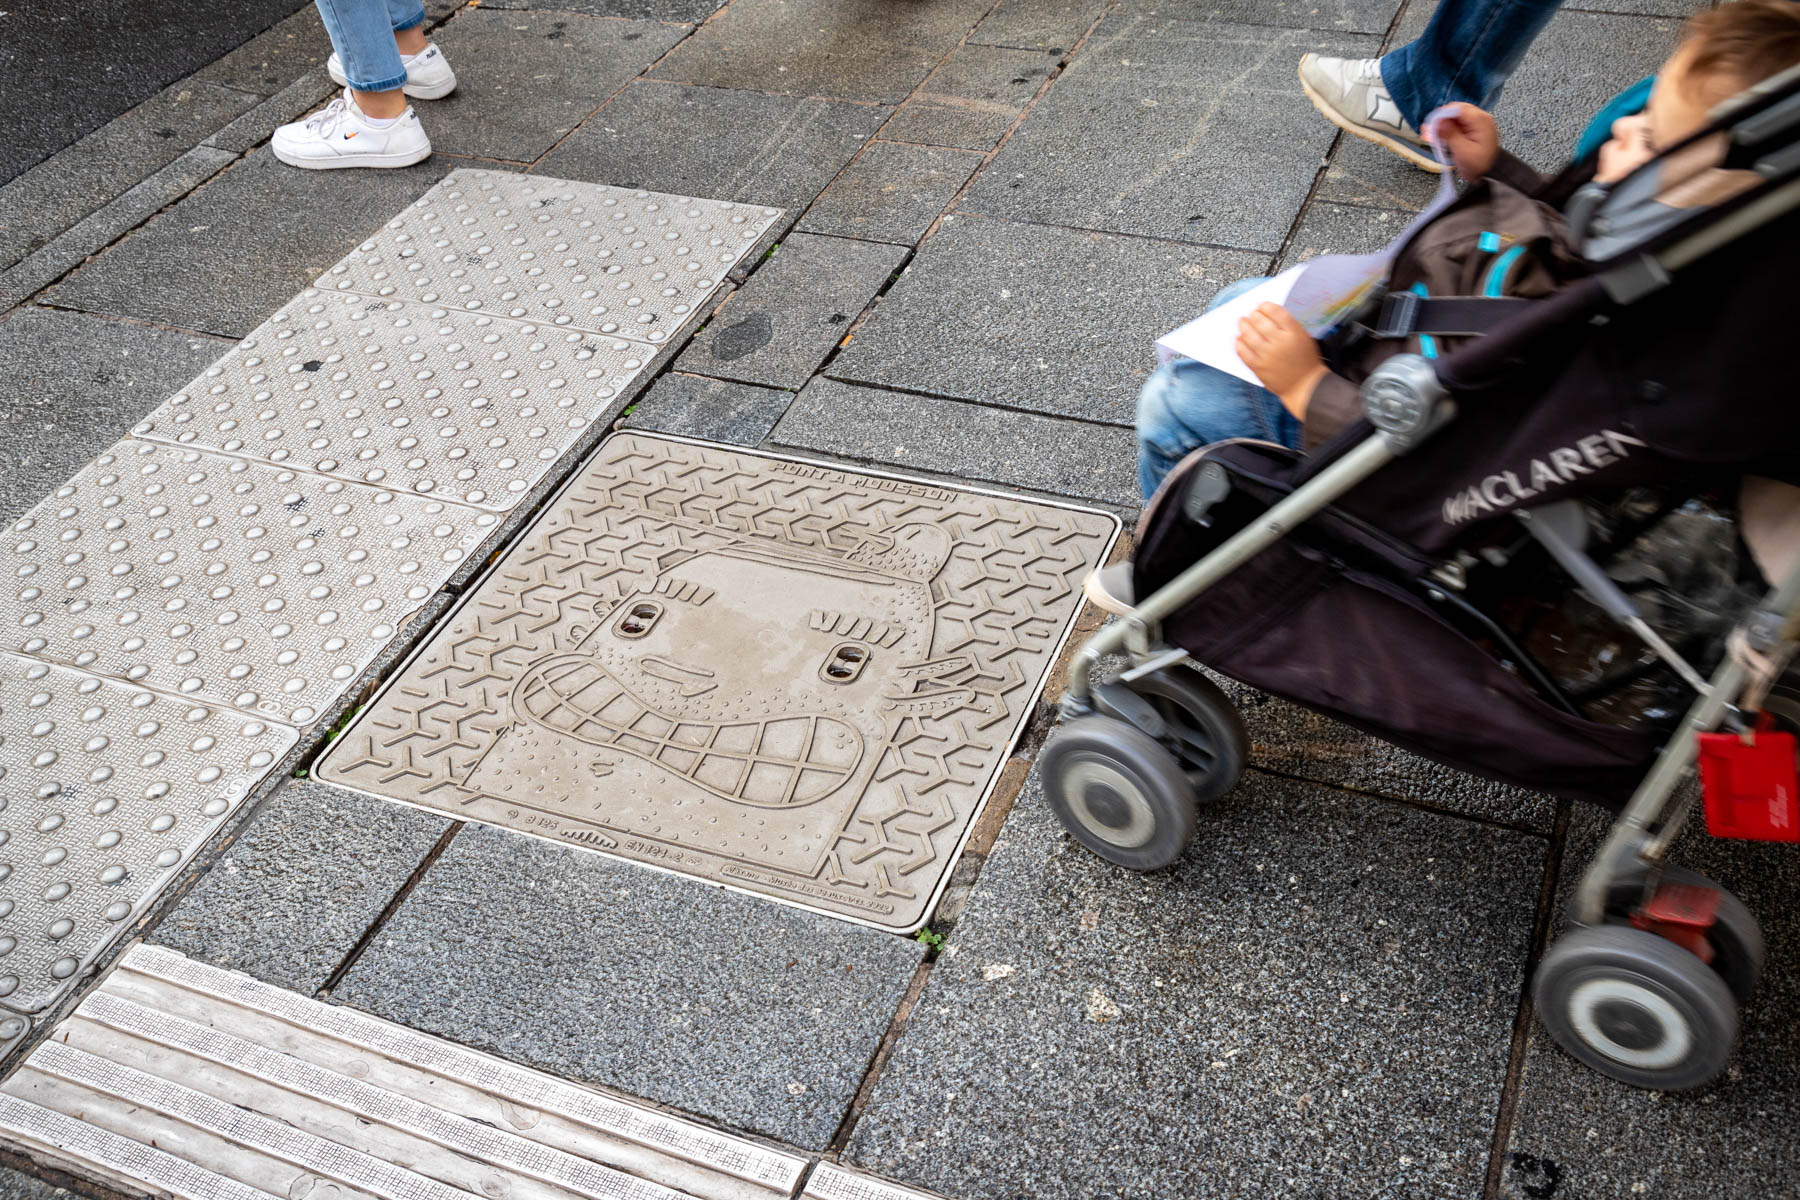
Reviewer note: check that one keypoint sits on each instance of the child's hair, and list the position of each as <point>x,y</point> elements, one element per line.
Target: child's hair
<point>1743,42</point>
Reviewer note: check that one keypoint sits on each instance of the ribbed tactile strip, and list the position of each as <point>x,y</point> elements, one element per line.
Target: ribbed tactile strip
<point>414,397</point>
<point>232,582</point>
<point>272,1088</point>
<point>829,1182</point>
<point>576,255</point>
<point>108,790</point>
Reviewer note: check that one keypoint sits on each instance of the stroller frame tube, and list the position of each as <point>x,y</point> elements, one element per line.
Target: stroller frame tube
<point>1632,840</point>
<point>1137,631</point>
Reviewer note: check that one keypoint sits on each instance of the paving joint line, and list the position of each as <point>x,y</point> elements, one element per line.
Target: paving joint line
<point>840,1138</point>
<point>388,910</point>
<point>1419,805</point>
<point>1524,1019</point>
<point>997,406</point>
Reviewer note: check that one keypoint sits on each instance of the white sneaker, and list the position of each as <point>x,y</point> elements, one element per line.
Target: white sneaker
<point>428,74</point>
<point>1350,93</point>
<point>340,135</point>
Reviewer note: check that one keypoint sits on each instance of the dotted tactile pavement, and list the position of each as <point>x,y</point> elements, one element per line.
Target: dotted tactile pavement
<point>184,611</point>
<point>109,789</point>
<point>577,255</point>
<point>414,397</point>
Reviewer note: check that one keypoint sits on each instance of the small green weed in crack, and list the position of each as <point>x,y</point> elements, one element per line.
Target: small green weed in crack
<point>931,939</point>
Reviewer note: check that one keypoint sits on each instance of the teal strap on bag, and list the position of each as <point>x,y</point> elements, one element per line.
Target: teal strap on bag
<point>1627,103</point>
<point>1427,343</point>
<point>1496,280</point>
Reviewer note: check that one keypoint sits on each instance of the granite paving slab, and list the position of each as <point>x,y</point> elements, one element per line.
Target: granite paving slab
<point>713,409</point>
<point>968,441</point>
<point>1363,173</point>
<point>973,98</point>
<point>1341,229</point>
<point>774,675</point>
<point>977,316</point>
<point>300,884</point>
<point>1577,1133</point>
<point>871,50</point>
<point>1173,129</point>
<point>778,327</point>
<point>688,11</point>
<point>71,384</point>
<point>76,181</point>
<point>757,1015</point>
<point>175,1077</point>
<point>573,257</point>
<point>1318,999</point>
<point>1050,25</point>
<point>226,582</point>
<point>120,787</point>
<point>274,58</point>
<point>743,146</point>
<point>528,78</point>
<point>17,1185</point>
<point>413,397</point>
<point>256,234</point>
<point>1349,16</point>
<point>298,99</point>
<point>891,193</point>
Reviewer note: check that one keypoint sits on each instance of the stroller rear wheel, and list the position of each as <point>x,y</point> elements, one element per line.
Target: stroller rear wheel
<point>1203,729</point>
<point>1736,937</point>
<point>1119,792</point>
<point>1636,1007</point>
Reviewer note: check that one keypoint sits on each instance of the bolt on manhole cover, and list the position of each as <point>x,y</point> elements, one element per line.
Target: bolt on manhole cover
<point>781,676</point>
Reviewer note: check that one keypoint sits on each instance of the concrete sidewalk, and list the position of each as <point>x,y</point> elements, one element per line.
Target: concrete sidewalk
<point>989,212</point>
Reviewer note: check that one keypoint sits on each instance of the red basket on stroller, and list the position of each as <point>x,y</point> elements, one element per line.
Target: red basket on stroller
<point>1363,581</point>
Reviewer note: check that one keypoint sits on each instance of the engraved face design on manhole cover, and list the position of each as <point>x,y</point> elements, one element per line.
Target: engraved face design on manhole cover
<point>406,396</point>
<point>106,790</point>
<point>580,255</point>
<point>237,583</point>
<point>792,679</point>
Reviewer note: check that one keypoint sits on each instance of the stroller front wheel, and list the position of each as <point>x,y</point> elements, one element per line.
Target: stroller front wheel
<point>1120,793</point>
<point>1636,1007</point>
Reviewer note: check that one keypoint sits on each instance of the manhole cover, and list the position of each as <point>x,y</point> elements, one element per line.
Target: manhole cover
<point>781,676</point>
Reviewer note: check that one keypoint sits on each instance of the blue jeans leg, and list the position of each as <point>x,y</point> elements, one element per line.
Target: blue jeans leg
<point>1466,52</point>
<point>362,33</point>
<point>1185,405</point>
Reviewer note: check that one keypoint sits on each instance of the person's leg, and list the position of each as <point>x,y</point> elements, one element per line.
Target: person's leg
<point>408,20</point>
<point>1468,49</point>
<point>1185,405</point>
<point>428,73</point>
<point>363,37</point>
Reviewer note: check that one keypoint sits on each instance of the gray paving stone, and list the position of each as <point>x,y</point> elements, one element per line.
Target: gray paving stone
<point>891,193</point>
<point>1364,173</point>
<point>292,102</point>
<point>71,385</point>
<point>17,1185</point>
<point>1317,1001</point>
<point>273,59</point>
<point>738,1010</point>
<point>779,326</point>
<point>1576,1133</point>
<point>256,235</point>
<point>1051,25</point>
<point>972,99</point>
<point>1349,16</point>
<point>1055,320</point>
<point>100,229</point>
<point>1174,129</point>
<point>709,408</point>
<point>299,885</point>
<point>531,77</point>
<point>740,146</point>
<point>63,189</point>
<point>688,11</point>
<point>968,441</point>
<point>1341,229</point>
<point>849,49</point>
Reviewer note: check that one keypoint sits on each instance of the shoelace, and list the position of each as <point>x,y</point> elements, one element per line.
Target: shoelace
<point>327,119</point>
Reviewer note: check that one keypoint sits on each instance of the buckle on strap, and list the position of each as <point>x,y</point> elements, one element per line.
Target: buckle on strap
<point>1399,315</point>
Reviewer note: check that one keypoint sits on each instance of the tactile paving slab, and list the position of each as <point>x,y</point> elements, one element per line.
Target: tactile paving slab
<point>232,582</point>
<point>414,397</point>
<point>578,255</point>
<point>178,1078</point>
<point>781,676</point>
<point>106,790</point>
<point>830,1182</point>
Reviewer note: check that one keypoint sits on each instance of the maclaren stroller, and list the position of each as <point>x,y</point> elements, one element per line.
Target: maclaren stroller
<point>1369,580</point>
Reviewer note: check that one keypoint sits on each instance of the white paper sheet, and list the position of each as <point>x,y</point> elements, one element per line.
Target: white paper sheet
<point>1211,338</point>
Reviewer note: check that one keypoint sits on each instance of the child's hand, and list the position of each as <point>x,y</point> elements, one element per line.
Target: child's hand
<point>1283,355</point>
<point>1471,139</point>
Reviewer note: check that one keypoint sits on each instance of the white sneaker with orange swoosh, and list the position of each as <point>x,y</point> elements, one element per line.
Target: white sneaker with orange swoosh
<point>341,135</point>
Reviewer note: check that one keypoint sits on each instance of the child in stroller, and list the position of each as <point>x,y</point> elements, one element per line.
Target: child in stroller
<point>1369,578</point>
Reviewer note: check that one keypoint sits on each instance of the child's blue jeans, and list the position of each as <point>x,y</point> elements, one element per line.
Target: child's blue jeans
<point>362,32</point>
<point>1185,405</point>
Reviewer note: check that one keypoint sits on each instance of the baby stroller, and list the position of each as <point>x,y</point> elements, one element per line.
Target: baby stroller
<point>1364,581</point>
